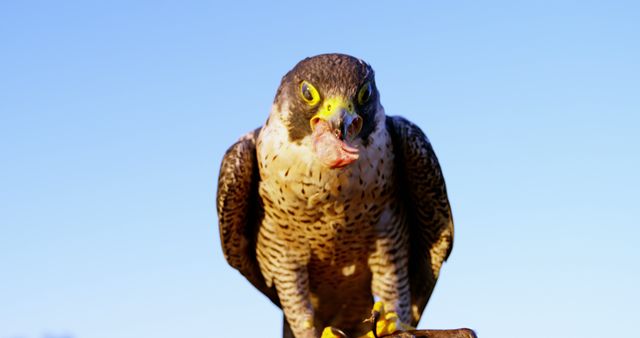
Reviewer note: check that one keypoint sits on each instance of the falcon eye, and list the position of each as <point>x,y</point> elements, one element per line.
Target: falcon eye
<point>309,93</point>
<point>364,94</point>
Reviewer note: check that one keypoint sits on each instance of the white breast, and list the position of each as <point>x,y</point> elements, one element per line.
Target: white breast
<point>294,169</point>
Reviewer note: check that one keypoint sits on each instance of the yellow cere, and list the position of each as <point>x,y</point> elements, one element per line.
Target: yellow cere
<point>331,106</point>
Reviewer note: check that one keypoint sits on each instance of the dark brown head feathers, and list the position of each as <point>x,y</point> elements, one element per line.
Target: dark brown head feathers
<point>332,75</point>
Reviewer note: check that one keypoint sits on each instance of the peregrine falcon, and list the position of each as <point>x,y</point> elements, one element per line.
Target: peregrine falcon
<point>332,203</point>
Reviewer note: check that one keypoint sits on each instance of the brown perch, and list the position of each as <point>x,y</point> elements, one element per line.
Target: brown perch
<point>459,333</point>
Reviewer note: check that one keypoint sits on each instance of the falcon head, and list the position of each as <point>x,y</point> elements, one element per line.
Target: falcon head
<point>331,99</point>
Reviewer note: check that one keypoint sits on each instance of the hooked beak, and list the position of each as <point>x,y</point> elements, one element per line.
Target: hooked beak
<point>335,126</point>
<point>343,121</point>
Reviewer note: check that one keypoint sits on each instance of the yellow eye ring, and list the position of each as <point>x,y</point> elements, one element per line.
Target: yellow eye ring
<point>309,93</point>
<point>365,93</point>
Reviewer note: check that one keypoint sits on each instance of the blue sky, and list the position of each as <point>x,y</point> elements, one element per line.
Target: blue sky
<point>114,116</point>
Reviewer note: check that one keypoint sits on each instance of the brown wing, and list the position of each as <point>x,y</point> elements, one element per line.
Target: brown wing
<point>240,211</point>
<point>430,222</point>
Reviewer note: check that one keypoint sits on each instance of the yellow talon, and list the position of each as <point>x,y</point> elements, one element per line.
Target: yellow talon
<point>387,323</point>
<point>330,332</point>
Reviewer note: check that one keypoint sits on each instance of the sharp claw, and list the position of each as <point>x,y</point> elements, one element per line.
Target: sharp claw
<point>376,312</point>
<point>384,322</point>
<point>332,332</point>
<point>375,316</point>
<point>338,332</point>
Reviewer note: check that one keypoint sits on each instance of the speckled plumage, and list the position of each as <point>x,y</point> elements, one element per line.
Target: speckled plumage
<point>320,242</point>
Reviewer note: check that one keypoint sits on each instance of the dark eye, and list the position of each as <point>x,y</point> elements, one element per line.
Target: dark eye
<point>364,94</point>
<point>309,93</point>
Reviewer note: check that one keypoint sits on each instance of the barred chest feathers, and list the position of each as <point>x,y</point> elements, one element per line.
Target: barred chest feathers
<point>336,213</point>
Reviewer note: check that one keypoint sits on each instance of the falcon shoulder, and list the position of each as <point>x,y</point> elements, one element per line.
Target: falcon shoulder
<point>424,194</point>
<point>240,211</point>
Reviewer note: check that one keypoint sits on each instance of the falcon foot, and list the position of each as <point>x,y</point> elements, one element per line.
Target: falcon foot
<point>332,332</point>
<point>384,322</point>
<point>458,333</point>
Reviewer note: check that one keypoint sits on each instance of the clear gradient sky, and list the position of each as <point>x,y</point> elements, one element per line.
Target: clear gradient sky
<point>114,116</point>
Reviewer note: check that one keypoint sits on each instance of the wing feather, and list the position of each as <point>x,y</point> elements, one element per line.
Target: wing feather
<point>424,192</point>
<point>240,211</point>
